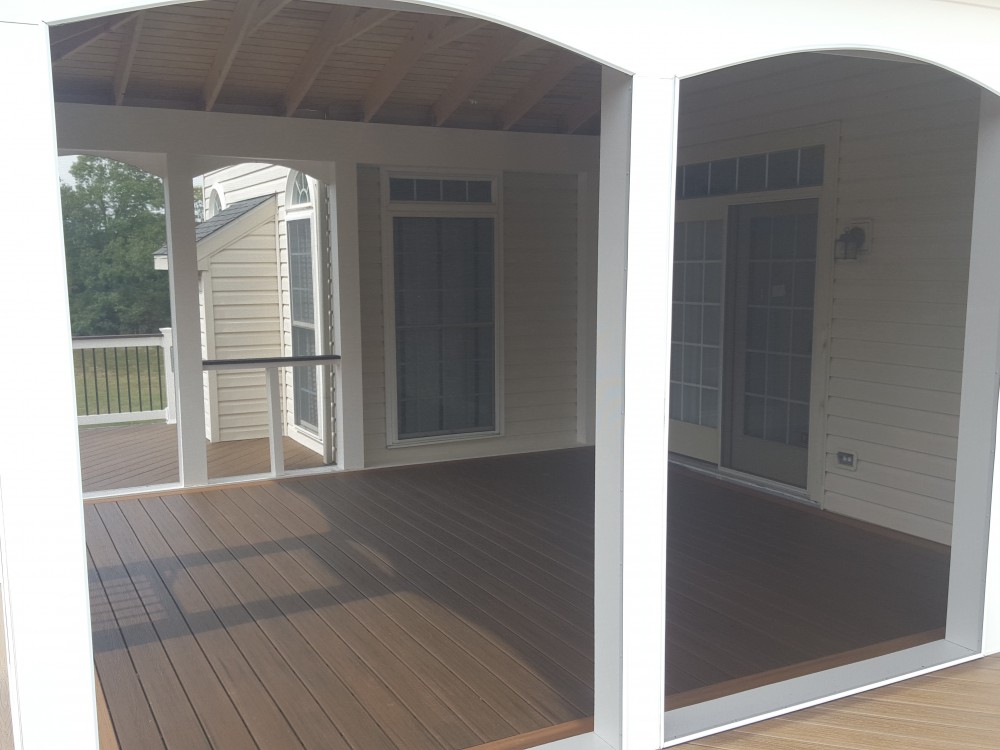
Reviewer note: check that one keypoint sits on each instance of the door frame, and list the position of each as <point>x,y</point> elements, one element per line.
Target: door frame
<point>718,207</point>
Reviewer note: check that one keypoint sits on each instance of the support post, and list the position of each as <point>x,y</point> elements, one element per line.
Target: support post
<point>170,410</point>
<point>274,421</point>
<point>638,137</point>
<point>976,523</point>
<point>185,315</point>
<point>47,677</point>
<point>349,414</point>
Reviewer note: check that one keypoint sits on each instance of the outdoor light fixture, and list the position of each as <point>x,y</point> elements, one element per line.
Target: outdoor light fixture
<point>854,240</point>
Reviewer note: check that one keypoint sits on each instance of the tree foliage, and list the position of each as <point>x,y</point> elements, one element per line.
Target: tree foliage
<point>113,222</point>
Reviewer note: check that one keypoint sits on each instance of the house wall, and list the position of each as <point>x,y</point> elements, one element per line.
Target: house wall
<point>248,180</point>
<point>241,304</point>
<point>907,157</point>
<point>539,312</point>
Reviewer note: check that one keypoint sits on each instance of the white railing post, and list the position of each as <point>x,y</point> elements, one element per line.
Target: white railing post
<point>274,431</point>
<point>167,342</point>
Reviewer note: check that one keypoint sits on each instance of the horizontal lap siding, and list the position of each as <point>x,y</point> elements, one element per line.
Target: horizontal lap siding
<point>244,298</point>
<point>899,315</point>
<point>539,252</point>
<point>907,161</point>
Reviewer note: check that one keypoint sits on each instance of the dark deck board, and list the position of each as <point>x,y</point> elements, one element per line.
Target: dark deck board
<point>140,455</point>
<point>450,606</point>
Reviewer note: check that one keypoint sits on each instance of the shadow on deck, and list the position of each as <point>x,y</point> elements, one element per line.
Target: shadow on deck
<point>450,605</point>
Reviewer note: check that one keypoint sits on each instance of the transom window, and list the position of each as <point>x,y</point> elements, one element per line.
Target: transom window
<point>775,170</point>
<point>424,190</point>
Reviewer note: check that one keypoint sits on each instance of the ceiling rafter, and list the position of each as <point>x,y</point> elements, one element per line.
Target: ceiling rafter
<point>65,40</point>
<point>342,24</point>
<point>236,32</point>
<point>526,46</point>
<point>264,12</point>
<point>581,113</point>
<point>561,65</point>
<point>430,33</point>
<point>500,48</point>
<point>126,56</point>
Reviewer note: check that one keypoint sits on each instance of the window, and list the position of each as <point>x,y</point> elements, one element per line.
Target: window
<point>444,300</point>
<point>776,170</point>
<point>214,204</point>
<point>299,227</point>
<point>696,358</point>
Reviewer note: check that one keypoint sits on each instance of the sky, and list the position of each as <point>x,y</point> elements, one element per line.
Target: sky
<point>65,162</point>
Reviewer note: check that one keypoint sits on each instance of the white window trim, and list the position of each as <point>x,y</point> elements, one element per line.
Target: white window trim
<point>300,211</point>
<point>389,211</point>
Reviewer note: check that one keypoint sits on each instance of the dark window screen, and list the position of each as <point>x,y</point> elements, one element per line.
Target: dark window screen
<point>444,286</point>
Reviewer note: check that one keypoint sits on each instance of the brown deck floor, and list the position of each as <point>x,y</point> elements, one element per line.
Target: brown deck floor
<point>126,456</point>
<point>450,605</point>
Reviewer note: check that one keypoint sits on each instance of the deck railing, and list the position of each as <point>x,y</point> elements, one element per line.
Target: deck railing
<point>124,378</point>
<point>271,366</point>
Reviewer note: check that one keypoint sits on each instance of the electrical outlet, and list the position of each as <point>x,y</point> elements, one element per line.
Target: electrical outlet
<point>847,460</point>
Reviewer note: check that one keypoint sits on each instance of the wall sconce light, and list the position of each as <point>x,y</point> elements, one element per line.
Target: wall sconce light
<point>854,240</point>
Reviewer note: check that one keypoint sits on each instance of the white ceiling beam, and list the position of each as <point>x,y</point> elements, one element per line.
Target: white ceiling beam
<point>264,12</point>
<point>581,113</point>
<point>236,32</point>
<point>430,33</point>
<point>534,91</point>
<point>126,56</point>
<point>65,40</point>
<point>527,45</point>
<point>498,50</point>
<point>342,24</point>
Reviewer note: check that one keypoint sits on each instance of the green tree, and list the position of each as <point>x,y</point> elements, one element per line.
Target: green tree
<point>113,222</point>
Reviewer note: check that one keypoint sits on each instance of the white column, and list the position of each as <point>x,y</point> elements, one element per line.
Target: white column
<point>350,437</point>
<point>46,612</point>
<point>635,248</point>
<point>976,531</point>
<point>185,315</point>
<point>586,304</point>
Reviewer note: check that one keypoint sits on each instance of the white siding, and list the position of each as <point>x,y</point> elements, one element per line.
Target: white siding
<point>249,180</point>
<point>907,161</point>
<point>241,302</point>
<point>539,252</point>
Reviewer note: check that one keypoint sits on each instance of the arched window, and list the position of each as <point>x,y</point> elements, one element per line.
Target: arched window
<point>214,205</point>
<point>300,228</point>
<point>300,193</point>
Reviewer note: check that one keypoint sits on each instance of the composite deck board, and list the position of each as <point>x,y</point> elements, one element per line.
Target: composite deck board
<point>449,605</point>
<point>291,696</point>
<point>126,456</point>
<point>953,709</point>
<point>368,591</point>
<point>466,589</point>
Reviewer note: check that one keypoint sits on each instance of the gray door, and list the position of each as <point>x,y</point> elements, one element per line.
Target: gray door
<point>769,340</point>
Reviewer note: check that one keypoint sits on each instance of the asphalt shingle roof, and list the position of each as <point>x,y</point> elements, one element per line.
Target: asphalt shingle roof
<point>225,217</point>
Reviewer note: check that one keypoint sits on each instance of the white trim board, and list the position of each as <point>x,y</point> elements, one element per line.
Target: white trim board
<point>241,138</point>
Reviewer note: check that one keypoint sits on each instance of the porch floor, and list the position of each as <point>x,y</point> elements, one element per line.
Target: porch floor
<point>450,605</point>
<point>139,455</point>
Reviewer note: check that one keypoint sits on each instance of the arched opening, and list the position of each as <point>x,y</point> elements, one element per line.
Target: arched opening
<point>698,393</point>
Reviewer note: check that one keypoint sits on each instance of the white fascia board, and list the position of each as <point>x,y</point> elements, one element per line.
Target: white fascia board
<point>667,39</point>
<point>103,129</point>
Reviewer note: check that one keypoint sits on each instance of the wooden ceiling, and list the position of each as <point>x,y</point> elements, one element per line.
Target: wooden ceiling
<point>297,58</point>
